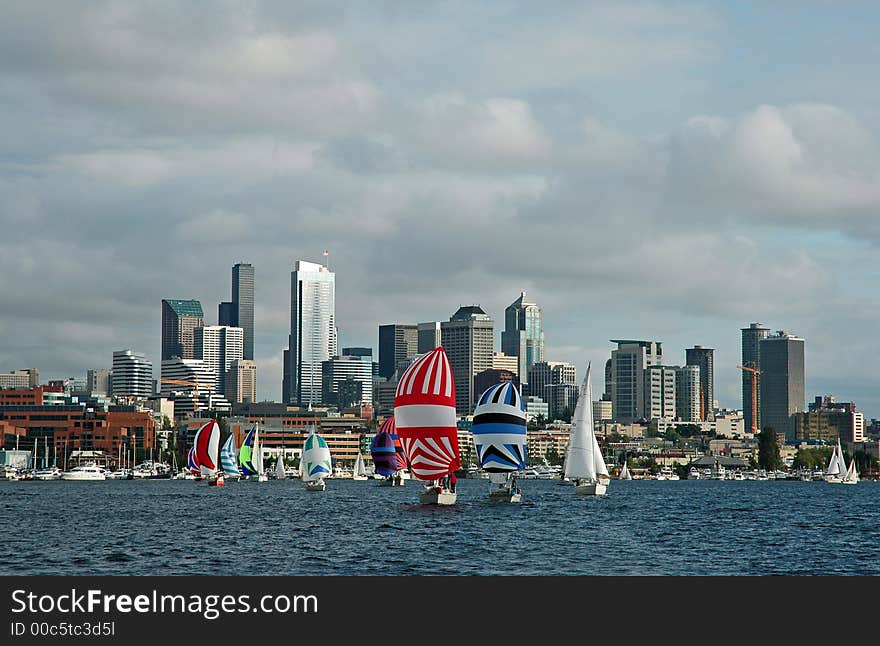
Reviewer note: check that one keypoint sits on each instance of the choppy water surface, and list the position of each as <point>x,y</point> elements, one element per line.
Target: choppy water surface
<point>171,527</point>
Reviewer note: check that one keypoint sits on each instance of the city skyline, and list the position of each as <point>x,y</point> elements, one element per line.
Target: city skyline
<point>442,170</point>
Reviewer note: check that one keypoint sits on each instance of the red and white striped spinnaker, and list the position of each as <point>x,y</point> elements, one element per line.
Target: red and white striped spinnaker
<point>424,414</point>
<point>207,444</point>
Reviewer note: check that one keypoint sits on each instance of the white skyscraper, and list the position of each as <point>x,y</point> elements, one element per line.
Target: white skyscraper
<point>218,346</point>
<point>312,332</point>
<point>132,375</point>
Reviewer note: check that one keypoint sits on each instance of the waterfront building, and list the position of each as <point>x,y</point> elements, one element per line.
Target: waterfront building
<point>347,380</point>
<point>241,381</point>
<point>131,375</point>
<point>22,396</point>
<point>523,335</point>
<point>659,395</point>
<point>313,337</point>
<point>782,381</point>
<point>180,318</point>
<point>689,394</point>
<point>704,359</point>
<point>536,406</point>
<point>20,379</point>
<point>751,385</point>
<point>397,342</point>
<point>218,346</point>
<point>602,411</point>
<point>428,336</point>
<point>561,400</point>
<point>468,339</point>
<point>628,363</point>
<point>828,420</point>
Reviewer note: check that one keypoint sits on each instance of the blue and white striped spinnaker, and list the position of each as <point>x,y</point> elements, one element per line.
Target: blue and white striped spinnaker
<point>227,457</point>
<point>499,429</point>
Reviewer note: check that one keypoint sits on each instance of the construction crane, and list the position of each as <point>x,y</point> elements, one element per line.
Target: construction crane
<point>196,385</point>
<point>755,372</point>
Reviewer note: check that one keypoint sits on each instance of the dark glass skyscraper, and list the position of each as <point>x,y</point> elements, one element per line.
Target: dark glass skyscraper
<point>751,358</point>
<point>243,304</point>
<point>179,319</point>
<point>782,382</point>
<point>704,359</point>
<point>397,342</point>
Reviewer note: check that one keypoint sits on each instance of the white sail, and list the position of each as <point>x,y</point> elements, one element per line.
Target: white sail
<point>257,454</point>
<point>841,462</point>
<point>359,468</point>
<point>833,467</point>
<point>624,472</point>
<point>580,461</point>
<point>279,469</point>
<point>852,474</point>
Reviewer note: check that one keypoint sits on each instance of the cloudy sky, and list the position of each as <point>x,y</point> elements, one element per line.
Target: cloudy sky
<point>669,171</point>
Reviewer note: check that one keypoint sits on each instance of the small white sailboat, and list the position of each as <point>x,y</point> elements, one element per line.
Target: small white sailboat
<point>279,469</point>
<point>585,465</point>
<point>852,474</point>
<point>836,470</point>
<point>624,472</point>
<point>315,463</point>
<point>359,471</point>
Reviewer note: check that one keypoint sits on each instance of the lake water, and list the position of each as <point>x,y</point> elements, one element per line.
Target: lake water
<point>180,527</point>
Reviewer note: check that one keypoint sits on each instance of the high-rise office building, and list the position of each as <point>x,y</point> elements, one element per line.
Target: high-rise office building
<point>241,382</point>
<point>428,336</point>
<point>782,382</point>
<point>397,342</point>
<point>523,335</point>
<point>628,363</point>
<point>469,341</point>
<point>549,373</point>
<point>179,319</point>
<point>704,359</point>
<point>132,375</point>
<point>20,379</point>
<point>689,393</point>
<point>218,346</point>
<point>198,394</point>
<point>347,380</point>
<point>659,392</point>
<point>751,383</point>
<point>98,381</point>
<point>239,312</point>
<point>312,332</point>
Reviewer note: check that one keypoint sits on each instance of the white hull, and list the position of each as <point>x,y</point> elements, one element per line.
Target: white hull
<point>360,478</point>
<point>316,485</point>
<point>504,495</point>
<point>48,475</point>
<point>430,496</point>
<point>91,475</point>
<point>592,489</point>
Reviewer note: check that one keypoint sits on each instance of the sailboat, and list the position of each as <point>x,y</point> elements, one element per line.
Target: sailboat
<point>315,463</point>
<point>585,464</point>
<point>227,458</point>
<point>384,454</point>
<point>206,446</point>
<point>499,430</point>
<point>852,474</point>
<point>624,472</point>
<point>280,474</point>
<point>425,419</point>
<point>837,468</point>
<point>250,456</point>
<point>359,471</point>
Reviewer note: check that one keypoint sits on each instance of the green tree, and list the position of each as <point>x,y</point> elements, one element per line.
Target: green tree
<point>768,450</point>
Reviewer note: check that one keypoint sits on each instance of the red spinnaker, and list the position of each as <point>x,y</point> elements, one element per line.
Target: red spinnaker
<point>424,415</point>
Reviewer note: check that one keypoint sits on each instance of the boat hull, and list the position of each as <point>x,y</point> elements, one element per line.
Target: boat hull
<point>83,477</point>
<point>316,485</point>
<point>591,489</point>
<point>430,496</point>
<point>505,495</point>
